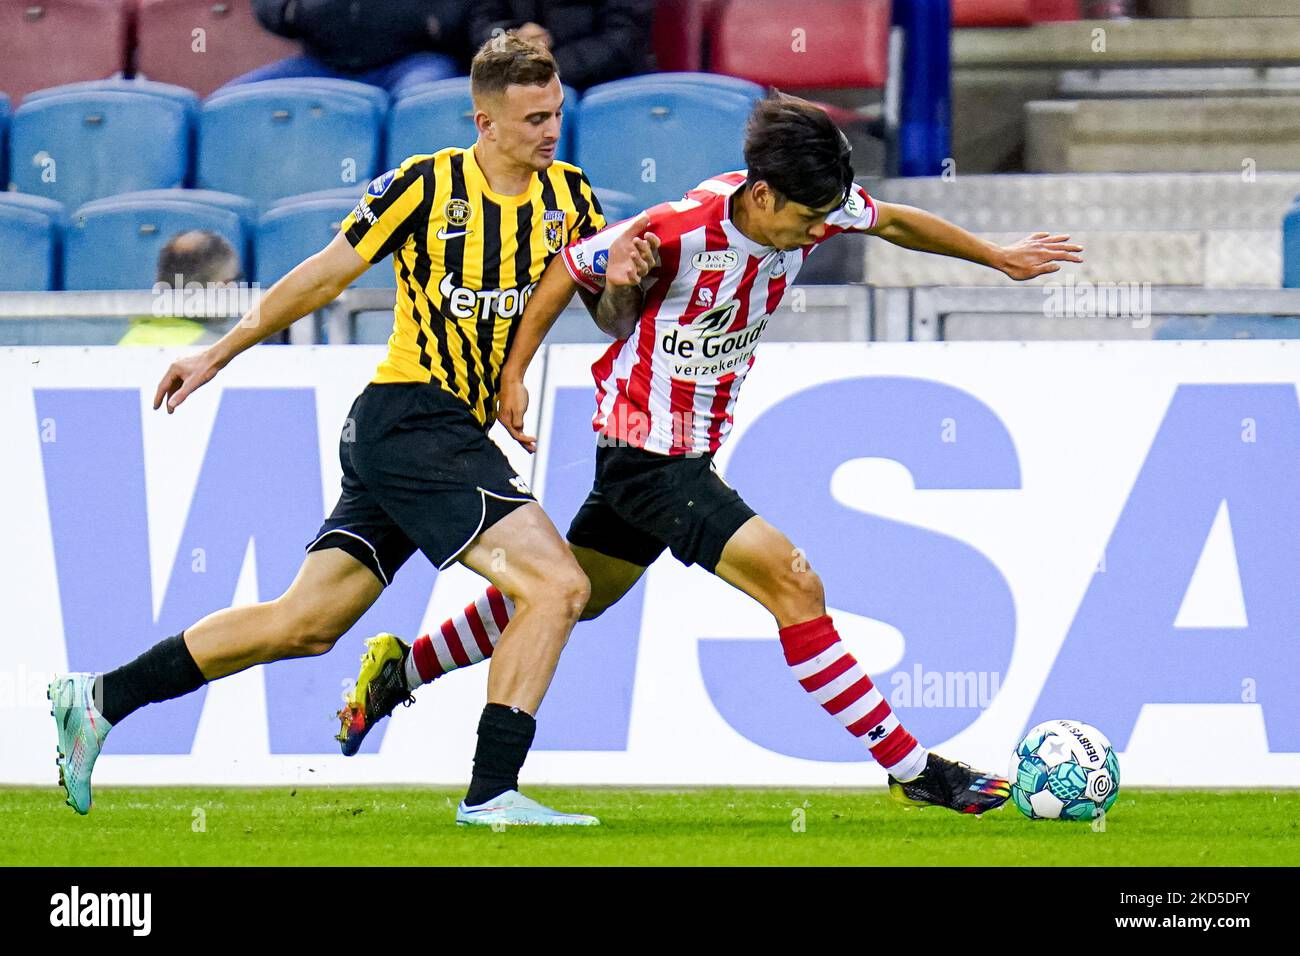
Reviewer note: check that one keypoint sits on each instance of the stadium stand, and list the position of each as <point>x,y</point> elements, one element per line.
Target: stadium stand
<point>644,139</point>
<point>30,234</point>
<point>83,145</point>
<point>1193,86</point>
<point>50,42</point>
<point>281,138</point>
<point>168,49</point>
<point>113,243</point>
<point>1154,228</point>
<point>1188,134</point>
<point>1161,95</point>
<point>300,226</point>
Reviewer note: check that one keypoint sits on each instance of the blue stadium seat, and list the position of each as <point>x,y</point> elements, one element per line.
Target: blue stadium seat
<point>114,243</point>
<point>430,117</point>
<point>279,138</point>
<point>572,117</point>
<point>1291,246</point>
<point>30,233</point>
<point>376,94</point>
<point>433,116</point>
<point>297,227</point>
<point>616,206</point>
<point>672,134</point>
<point>79,146</point>
<point>4,141</point>
<point>188,98</point>
<point>703,81</point>
<point>241,206</point>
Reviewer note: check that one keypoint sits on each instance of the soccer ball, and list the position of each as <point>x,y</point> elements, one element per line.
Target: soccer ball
<point>1064,770</point>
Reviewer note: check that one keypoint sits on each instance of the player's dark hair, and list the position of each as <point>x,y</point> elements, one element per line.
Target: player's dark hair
<point>506,60</point>
<point>796,148</point>
<point>197,256</point>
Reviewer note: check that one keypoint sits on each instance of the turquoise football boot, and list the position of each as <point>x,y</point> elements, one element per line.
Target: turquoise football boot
<point>513,809</point>
<point>81,729</point>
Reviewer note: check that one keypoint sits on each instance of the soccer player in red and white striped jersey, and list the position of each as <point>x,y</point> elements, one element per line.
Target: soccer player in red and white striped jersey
<point>671,387</point>
<point>686,289</point>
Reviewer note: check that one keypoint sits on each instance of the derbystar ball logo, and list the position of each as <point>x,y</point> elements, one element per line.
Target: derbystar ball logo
<point>1087,745</point>
<point>722,261</point>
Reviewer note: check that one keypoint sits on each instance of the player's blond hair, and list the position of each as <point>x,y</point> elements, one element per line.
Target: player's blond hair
<point>507,60</point>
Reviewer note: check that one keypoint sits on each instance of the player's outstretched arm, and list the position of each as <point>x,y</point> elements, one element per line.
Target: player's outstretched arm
<point>553,293</point>
<point>311,284</point>
<point>914,228</point>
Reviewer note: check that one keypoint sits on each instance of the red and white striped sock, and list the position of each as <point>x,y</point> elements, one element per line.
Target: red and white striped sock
<point>465,639</point>
<point>824,668</point>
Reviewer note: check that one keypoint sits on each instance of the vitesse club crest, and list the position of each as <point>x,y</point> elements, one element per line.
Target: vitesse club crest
<point>553,223</point>
<point>457,212</point>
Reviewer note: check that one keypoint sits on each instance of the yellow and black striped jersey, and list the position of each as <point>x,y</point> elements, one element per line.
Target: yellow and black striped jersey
<point>467,259</point>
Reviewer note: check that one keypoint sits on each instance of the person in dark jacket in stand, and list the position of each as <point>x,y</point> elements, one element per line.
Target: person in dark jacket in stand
<point>593,41</point>
<point>396,44</point>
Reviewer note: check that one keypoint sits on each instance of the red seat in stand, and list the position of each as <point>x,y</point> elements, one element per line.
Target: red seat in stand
<point>992,13</point>
<point>51,42</point>
<point>810,44</point>
<point>233,42</point>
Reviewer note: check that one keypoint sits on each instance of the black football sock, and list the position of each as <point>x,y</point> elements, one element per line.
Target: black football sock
<point>164,671</point>
<point>504,736</point>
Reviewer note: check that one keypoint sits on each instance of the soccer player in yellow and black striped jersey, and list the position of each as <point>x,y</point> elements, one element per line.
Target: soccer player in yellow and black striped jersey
<point>470,232</point>
<point>467,259</point>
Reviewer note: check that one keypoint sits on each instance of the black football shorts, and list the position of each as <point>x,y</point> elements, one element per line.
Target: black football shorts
<point>643,502</point>
<point>419,472</point>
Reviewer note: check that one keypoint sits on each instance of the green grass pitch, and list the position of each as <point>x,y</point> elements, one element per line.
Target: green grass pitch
<point>165,826</point>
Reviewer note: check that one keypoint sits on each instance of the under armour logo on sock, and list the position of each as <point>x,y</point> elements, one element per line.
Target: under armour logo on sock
<point>876,733</point>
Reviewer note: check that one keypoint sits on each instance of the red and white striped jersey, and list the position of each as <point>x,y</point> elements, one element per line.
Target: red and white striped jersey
<point>670,387</point>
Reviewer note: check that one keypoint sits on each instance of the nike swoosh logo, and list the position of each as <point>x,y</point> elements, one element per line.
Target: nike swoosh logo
<point>444,234</point>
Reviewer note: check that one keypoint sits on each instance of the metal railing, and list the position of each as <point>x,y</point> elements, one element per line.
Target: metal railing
<point>928,307</point>
<point>854,313</point>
